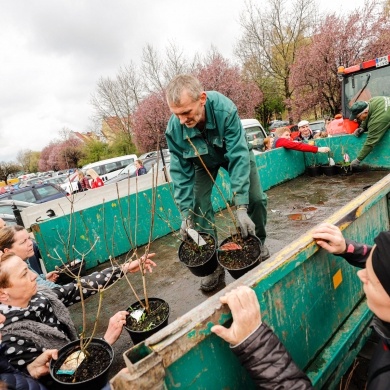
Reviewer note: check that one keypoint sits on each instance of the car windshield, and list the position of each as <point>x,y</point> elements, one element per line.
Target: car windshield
<point>128,170</point>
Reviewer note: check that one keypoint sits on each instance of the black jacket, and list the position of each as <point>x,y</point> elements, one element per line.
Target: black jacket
<point>268,362</point>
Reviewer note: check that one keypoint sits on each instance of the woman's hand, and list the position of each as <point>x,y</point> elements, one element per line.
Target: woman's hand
<point>245,309</point>
<point>115,326</point>
<point>40,366</point>
<point>330,238</point>
<point>134,265</point>
<point>52,276</point>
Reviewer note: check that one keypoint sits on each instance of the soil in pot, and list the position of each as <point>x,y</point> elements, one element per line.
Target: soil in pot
<point>92,373</point>
<point>240,261</point>
<point>200,260</point>
<point>150,323</point>
<point>313,171</point>
<point>74,268</point>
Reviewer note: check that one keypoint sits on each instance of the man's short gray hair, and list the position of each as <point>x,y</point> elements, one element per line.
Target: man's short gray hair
<point>180,83</point>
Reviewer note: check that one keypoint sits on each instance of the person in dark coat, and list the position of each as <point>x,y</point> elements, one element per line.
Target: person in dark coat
<point>375,276</point>
<point>305,132</point>
<point>141,170</point>
<point>13,379</point>
<point>257,347</point>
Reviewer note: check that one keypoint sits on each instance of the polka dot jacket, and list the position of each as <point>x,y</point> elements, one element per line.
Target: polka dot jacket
<point>20,351</point>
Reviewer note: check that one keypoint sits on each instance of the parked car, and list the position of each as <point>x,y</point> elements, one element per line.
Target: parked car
<point>275,124</point>
<point>69,184</point>
<point>154,154</point>
<point>39,193</point>
<point>6,205</point>
<point>30,182</point>
<point>130,170</point>
<point>317,126</point>
<point>255,132</point>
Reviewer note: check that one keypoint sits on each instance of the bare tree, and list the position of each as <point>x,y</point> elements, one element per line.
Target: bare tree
<point>117,98</point>
<point>273,32</point>
<point>8,168</point>
<point>23,157</point>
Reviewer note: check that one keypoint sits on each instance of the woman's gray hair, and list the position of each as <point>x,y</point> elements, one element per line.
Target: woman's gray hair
<point>180,83</point>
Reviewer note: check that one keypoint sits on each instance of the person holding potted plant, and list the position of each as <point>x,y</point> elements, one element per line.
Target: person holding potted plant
<point>36,320</point>
<point>203,135</point>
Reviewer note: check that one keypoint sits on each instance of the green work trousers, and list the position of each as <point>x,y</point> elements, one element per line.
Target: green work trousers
<point>203,209</point>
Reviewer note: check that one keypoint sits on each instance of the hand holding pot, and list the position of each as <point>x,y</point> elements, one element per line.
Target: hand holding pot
<point>330,238</point>
<point>115,326</point>
<point>246,224</point>
<point>245,308</point>
<point>186,224</point>
<point>40,366</point>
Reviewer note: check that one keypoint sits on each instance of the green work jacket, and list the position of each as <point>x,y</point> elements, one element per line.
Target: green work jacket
<point>377,123</point>
<point>223,144</point>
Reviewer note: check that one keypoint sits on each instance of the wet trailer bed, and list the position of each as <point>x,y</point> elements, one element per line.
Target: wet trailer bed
<point>293,208</point>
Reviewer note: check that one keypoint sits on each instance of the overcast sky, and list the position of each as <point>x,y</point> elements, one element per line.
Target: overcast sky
<point>54,52</point>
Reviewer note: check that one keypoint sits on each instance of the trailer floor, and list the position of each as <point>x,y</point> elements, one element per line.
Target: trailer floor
<point>293,208</point>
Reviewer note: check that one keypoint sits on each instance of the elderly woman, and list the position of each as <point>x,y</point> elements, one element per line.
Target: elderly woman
<point>39,320</point>
<point>16,239</point>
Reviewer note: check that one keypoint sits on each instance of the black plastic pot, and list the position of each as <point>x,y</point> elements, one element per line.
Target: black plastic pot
<point>237,273</point>
<point>207,267</point>
<point>138,336</point>
<point>313,171</point>
<point>97,382</point>
<point>64,278</point>
<point>329,170</point>
<point>344,170</point>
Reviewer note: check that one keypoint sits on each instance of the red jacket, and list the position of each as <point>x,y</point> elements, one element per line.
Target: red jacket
<point>98,182</point>
<point>288,144</point>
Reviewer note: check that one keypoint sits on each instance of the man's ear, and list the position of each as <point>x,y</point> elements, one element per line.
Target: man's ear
<point>3,295</point>
<point>203,98</point>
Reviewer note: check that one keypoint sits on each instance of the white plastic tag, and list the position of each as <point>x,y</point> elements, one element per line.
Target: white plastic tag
<point>196,237</point>
<point>137,314</point>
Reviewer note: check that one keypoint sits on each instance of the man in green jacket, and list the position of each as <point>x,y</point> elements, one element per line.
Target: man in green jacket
<point>209,121</point>
<point>375,118</point>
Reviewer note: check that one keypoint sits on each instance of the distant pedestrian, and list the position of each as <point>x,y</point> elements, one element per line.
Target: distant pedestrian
<point>96,180</point>
<point>83,182</point>
<point>141,170</point>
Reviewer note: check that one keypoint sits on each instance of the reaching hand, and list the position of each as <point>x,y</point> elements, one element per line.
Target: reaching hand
<point>52,276</point>
<point>245,308</point>
<point>134,265</point>
<point>323,149</point>
<point>330,238</point>
<point>246,224</point>
<point>355,163</point>
<point>186,224</point>
<point>40,366</point>
<point>115,326</point>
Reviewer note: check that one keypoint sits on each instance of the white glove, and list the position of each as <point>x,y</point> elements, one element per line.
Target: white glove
<point>355,163</point>
<point>186,224</point>
<point>246,224</point>
<point>323,149</point>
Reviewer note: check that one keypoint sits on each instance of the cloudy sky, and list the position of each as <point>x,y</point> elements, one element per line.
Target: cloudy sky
<point>55,51</point>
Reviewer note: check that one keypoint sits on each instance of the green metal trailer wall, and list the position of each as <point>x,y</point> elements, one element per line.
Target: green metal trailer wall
<point>115,227</point>
<point>313,300</point>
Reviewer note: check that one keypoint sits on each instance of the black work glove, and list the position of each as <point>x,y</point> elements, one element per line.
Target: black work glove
<point>246,224</point>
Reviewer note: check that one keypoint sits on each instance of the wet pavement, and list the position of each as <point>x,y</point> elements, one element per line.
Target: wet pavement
<point>293,208</point>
